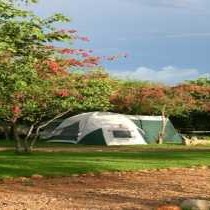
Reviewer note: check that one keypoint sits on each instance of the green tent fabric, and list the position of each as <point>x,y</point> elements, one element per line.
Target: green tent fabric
<point>152,127</point>
<point>94,138</point>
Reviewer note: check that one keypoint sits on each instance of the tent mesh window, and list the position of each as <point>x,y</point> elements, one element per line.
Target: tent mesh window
<point>69,132</point>
<point>52,126</point>
<point>121,134</point>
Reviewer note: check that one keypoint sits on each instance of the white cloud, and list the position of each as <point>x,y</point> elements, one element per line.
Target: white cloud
<point>168,74</point>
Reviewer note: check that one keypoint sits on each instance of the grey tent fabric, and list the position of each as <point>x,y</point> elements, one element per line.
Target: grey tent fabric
<point>102,128</point>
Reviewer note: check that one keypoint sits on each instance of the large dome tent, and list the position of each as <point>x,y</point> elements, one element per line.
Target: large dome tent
<point>97,128</point>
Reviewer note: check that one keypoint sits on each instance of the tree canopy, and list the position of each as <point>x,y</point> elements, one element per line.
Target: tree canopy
<point>36,82</point>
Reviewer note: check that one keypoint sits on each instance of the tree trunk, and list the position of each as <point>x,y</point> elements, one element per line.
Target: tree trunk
<point>26,145</point>
<point>163,127</point>
<point>6,131</point>
<point>15,136</point>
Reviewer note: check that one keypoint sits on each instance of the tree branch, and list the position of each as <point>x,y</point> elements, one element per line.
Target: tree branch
<point>46,124</point>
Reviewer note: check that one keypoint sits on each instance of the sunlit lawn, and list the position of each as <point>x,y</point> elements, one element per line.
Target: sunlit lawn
<point>83,159</point>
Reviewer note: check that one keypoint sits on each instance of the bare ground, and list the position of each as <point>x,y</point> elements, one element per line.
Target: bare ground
<point>125,190</point>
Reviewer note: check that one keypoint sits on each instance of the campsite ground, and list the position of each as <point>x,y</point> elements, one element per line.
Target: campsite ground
<point>131,190</point>
<point>76,177</point>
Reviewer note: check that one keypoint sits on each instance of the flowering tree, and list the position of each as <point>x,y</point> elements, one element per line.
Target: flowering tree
<point>36,82</point>
<point>193,97</point>
<point>139,98</point>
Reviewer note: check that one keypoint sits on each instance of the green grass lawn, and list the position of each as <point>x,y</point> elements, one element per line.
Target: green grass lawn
<point>83,159</point>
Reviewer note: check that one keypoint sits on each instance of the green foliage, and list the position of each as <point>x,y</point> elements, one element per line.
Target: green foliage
<point>23,86</point>
<point>31,87</point>
<point>96,92</point>
<point>203,81</point>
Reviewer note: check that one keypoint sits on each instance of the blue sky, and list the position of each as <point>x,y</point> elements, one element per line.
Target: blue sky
<point>167,40</point>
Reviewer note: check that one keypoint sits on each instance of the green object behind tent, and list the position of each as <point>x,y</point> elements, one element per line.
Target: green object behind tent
<point>152,129</point>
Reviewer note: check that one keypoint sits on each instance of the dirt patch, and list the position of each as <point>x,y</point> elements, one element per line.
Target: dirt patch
<point>125,190</point>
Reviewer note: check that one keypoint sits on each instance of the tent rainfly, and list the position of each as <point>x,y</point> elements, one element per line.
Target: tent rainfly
<point>105,128</point>
<point>152,125</point>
